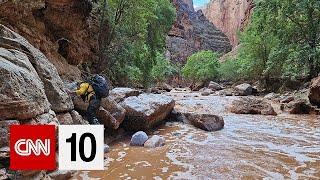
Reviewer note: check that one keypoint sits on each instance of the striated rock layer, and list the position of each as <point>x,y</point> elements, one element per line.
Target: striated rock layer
<point>230,16</point>
<point>192,32</point>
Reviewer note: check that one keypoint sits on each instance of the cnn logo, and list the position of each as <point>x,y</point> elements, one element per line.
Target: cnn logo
<point>32,147</point>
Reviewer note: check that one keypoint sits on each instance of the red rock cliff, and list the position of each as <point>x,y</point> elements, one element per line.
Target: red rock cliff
<point>230,16</point>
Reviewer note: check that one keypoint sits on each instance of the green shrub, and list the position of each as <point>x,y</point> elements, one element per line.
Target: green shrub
<point>201,66</point>
<point>162,69</point>
<point>230,70</point>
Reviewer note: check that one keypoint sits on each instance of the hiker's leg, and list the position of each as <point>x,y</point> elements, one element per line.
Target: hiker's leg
<point>93,105</point>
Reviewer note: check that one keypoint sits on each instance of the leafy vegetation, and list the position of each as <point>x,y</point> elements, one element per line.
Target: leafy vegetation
<point>282,41</point>
<point>163,69</point>
<point>132,34</point>
<point>201,66</point>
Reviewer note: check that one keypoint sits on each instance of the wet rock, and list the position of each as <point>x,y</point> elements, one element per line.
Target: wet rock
<point>244,89</point>
<point>215,86</point>
<point>110,113</point>
<point>207,122</point>
<point>154,141</point>
<point>60,175</point>
<point>146,110</point>
<point>314,92</point>
<point>53,85</point>
<point>4,131</point>
<point>252,106</point>
<point>77,118</point>
<point>300,106</point>
<point>22,94</point>
<point>138,138</point>
<point>175,116</point>
<point>120,93</point>
<point>65,118</point>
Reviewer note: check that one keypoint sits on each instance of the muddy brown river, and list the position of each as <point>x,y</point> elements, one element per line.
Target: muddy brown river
<point>249,147</point>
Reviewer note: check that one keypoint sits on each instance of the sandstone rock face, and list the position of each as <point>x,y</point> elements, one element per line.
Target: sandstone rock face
<point>53,86</point>
<point>230,16</point>
<point>252,106</point>
<point>21,88</point>
<point>146,110</point>
<point>314,93</point>
<point>110,113</point>
<point>120,93</point>
<point>138,138</point>
<point>63,30</point>
<point>155,141</point>
<point>192,32</point>
<point>207,122</point>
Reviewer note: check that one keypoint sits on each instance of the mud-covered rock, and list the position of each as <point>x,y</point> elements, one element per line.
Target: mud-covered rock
<point>207,122</point>
<point>155,141</point>
<point>252,106</point>
<point>146,110</point>
<point>5,132</point>
<point>138,138</point>
<point>120,93</point>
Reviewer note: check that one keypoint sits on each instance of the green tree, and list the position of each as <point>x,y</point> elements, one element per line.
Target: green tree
<point>136,31</point>
<point>201,66</point>
<point>282,40</point>
<point>162,69</point>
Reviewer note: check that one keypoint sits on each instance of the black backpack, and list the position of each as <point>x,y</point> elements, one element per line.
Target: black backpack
<point>100,86</point>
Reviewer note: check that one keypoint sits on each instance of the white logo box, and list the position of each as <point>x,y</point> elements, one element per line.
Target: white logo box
<point>82,135</point>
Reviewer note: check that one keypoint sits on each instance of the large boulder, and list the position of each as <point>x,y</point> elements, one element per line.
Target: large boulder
<point>300,106</point>
<point>252,106</point>
<point>146,110</point>
<point>207,122</point>
<point>110,113</point>
<point>244,89</point>
<point>22,94</point>
<point>314,93</point>
<point>120,93</point>
<point>53,85</point>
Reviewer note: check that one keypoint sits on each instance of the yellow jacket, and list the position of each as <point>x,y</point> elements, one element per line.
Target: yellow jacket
<point>86,90</point>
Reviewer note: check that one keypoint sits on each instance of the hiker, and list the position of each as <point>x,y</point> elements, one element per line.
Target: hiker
<point>92,91</point>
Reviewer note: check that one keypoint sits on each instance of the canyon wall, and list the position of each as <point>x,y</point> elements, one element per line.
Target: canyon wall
<point>64,30</point>
<point>231,16</point>
<point>192,32</point>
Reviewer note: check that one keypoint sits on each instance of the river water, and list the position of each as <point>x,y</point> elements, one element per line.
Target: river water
<point>249,147</point>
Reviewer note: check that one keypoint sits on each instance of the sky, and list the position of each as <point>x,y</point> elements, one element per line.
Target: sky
<point>199,3</point>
